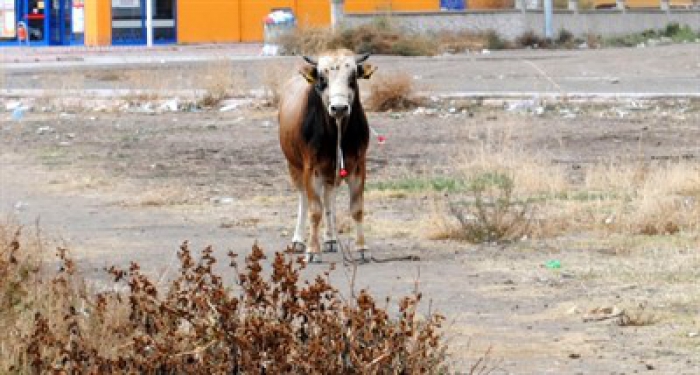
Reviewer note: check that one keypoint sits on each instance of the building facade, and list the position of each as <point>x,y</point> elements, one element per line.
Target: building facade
<point>123,22</point>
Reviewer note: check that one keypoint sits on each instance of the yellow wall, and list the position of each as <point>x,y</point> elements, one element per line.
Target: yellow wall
<point>364,6</point>
<point>98,22</point>
<point>208,21</point>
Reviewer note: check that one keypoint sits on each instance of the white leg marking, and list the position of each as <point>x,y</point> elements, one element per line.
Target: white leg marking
<point>300,230</point>
<point>329,212</point>
<point>357,210</point>
<point>315,213</point>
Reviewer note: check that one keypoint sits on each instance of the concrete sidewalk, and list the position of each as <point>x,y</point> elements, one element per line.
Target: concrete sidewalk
<point>671,71</point>
<point>23,57</point>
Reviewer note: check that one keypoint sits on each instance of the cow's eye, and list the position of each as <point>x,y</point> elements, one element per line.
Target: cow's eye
<point>321,83</point>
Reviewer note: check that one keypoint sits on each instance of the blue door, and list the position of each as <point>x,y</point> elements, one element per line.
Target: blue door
<point>50,22</point>
<point>57,25</point>
<point>33,14</point>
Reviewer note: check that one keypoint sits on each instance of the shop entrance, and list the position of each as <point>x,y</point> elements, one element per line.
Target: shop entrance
<point>48,22</point>
<point>129,21</point>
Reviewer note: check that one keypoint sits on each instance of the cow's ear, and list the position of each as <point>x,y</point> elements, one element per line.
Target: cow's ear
<point>309,73</point>
<point>365,71</point>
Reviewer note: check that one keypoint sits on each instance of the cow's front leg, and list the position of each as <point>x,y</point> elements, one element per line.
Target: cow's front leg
<point>314,186</point>
<point>356,185</point>
<point>330,243</point>
<point>298,241</point>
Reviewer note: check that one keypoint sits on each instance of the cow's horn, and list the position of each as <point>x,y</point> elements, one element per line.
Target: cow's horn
<point>310,60</point>
<point>362,58</point>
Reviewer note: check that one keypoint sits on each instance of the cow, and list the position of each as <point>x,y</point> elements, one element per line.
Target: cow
<point>324,135</point>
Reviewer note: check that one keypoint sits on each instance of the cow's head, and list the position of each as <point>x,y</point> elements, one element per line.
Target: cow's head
<point>334,76</point>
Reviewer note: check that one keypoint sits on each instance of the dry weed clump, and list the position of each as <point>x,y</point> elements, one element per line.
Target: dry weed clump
<point>309,41</point>
<point>274,77</point>
<point>655,199</point>
<point>219,81</point>
<point>494,215</point>
<point>269,322</point>
<point>383,36</point>
<point>392,92</point>
<point>536,198</point>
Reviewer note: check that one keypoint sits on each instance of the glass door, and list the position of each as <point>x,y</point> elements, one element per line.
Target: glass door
<point>164,21</point>
<point>55,22</point>
<point>35,16</point>
<point>128,22</point>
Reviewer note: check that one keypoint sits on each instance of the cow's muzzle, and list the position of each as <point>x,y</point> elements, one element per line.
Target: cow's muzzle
<point>339,110</point>
<point>338,106</point>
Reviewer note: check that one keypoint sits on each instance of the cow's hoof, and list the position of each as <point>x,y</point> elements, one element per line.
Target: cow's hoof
<point>313,258</point>
<point>298,247</point>
<point>331,246</point>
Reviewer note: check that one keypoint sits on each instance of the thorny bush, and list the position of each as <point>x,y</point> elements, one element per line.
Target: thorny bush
<point>269,322</point>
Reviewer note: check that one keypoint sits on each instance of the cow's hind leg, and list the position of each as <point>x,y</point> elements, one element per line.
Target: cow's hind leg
<point>356,184</point>
<point>314,187</point>
<point>330,243</point>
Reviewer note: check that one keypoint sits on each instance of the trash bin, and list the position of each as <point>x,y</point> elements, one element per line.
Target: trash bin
<point>276,24</point>
<point>452,4</point>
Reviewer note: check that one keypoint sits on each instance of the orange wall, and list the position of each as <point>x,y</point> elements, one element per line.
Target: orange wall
<point>208,21</point>
<point>202,21</point>
<point>364,6</point>
<point>98,23</point>
<point>313,13</point>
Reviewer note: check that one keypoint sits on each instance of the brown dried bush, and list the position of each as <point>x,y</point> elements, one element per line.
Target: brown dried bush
<point>269,322</point>
<point>391,92</point>
<point>382,36</point>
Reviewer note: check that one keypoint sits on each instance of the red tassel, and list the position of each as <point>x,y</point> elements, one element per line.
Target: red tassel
<point>381,139</point>
<point>343,173</point>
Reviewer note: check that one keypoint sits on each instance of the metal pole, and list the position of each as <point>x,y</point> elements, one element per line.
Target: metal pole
<point>548,32</point>
<point>149,23</point>
<point>336,12</point>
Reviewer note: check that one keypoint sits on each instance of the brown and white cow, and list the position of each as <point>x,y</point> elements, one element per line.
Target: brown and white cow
<point>323,127</point>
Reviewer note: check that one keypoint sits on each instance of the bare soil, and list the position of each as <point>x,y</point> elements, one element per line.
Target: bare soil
<point>120,187</point>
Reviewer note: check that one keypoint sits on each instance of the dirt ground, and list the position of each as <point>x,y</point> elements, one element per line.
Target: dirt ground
<point>120,187</point>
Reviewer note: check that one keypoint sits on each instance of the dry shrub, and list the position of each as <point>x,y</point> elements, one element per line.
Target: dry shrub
<point>146,84</point>
<point>657,199</point>
<point>383,36</point>
<point>506,189</point>
<point>219,81</point>
<point>308,41</point>
<point>391,92</point>
<point>529,39</point>
<point>629,197</point>
<point>274,77</point>
<point>269,322</point>
<point>461,41</point>
<point>494,215</point>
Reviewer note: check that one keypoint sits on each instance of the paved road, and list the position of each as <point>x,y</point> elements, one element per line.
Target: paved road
<point>657,71</point>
